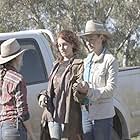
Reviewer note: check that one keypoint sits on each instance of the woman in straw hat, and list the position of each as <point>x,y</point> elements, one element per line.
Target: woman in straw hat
<point>13,93</point>
<point>100,82</point>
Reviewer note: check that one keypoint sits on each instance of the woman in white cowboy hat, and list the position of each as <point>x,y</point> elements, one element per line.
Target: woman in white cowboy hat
<point>100,76</point>
<point>13,93</point>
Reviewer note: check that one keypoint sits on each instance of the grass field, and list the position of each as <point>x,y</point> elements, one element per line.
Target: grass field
<point>136,138</point>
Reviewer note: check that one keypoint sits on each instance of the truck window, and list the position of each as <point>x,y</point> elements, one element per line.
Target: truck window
<point>33,68</point>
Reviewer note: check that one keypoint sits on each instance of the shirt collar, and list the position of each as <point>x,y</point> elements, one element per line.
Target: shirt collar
<point>100,57</point>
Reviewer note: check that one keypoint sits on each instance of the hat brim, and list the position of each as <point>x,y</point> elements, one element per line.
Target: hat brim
<point>4,60</point>
<point>107,34</point>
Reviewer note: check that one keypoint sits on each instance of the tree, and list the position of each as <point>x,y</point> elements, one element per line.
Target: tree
<point>120,17</point>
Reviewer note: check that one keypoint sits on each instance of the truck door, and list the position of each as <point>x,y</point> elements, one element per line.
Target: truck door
<point>36,75</point>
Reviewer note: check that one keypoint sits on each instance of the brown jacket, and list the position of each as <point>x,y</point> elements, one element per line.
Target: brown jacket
<point>71,75</point>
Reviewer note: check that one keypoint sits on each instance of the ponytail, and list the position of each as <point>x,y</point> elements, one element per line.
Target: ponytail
<point>2,74</point>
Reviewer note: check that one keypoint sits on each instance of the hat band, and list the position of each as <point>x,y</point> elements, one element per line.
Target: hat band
<point>12,53</point>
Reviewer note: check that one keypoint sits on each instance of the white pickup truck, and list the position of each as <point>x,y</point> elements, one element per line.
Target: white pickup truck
<point>38,61</point>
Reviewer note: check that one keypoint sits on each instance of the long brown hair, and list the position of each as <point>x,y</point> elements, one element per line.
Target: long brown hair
<point>71,38</point>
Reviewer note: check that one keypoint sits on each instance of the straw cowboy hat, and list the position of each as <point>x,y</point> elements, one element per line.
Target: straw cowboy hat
<point>93,27</point>
<point>10,49</point>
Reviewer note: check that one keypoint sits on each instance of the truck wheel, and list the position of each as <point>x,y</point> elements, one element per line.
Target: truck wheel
<point>115,135</point>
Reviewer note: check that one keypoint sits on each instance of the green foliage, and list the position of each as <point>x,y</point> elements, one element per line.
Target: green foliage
<point>56,15</point>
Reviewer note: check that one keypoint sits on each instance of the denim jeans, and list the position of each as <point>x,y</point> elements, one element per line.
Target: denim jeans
<point>10,131</point>
<point>97,129</point>
<point>61,132</point>
<point>55,130</point>
<point>87,126</point>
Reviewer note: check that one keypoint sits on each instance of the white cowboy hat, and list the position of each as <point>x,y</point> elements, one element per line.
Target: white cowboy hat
<point>93,27</point>
<point>10,49</point>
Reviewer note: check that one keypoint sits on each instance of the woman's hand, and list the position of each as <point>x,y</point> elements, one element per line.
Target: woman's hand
<point>82,87</point>
<point>42,101</point>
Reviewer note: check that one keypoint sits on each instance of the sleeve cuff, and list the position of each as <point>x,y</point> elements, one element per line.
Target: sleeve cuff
<point>94,94</point>
<point>90,93</point>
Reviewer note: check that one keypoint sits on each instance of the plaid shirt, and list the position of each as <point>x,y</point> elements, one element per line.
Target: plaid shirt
<point>14,97</point>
